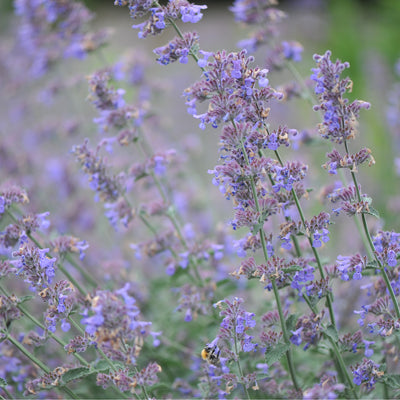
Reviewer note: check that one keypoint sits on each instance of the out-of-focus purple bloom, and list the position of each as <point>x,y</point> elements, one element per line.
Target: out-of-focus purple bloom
<point>368,351</point>
<point>292,50</point>
<point>296,336</point>
<point>54,29</point>
<point>192,13</point>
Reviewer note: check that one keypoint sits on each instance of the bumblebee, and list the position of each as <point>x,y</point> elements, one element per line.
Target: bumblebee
<point>210,354</point>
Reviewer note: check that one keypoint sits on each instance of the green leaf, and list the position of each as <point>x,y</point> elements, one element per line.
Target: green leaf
<point>76,373</point>
<point>373,212</point>
<point>3,383</point>
<point>292,268</point>
<point>291,322</point>
<point>392,380</point>
<point>101,365</point>
<point>372,265</point>
<point>332,333</point>
<point>274,354</point>
<point>367,199</point>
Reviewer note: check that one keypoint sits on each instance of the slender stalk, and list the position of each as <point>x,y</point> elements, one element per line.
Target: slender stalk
<point>239,367</point>
<point>285,336</point>
<point>372,246</point>
<point>310,98</point>
<point>84,273</point>
<point>171,214</point>
<point>313,249</point>
<point>343,367</point>
<point>275,288</point>
<point>41,326</point>
<point>60,266</point>
<point>8,394</point>
<point>68,257</point>
<point>39,363</point>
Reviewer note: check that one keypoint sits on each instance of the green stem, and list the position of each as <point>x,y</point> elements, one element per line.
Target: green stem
<point>313,249</point>
<point>84,273</point>
<point>60,266</point>
<point>372,246</point>
<point>41,326</point>
<point>343,367</point>
<point>310,97</point>
<point>39,363</point>
<point>98,349</point>
<point>275,288</point>
<point>285,336</point>
<point>171,214</point>
<point>68,258</point>
<point>8,394</point>
<point>240,368</point>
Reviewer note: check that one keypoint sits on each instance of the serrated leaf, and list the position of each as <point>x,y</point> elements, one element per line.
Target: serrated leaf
<point>372,265</point>
<point>292,268</point>
<point>392,380</point>
<point>3,383</point>
<point>332,333</point>
<point>373,212</point>
<point>101,365</point>
<point>291,322</point>
<point>76,373</point>
<point>274,354</point>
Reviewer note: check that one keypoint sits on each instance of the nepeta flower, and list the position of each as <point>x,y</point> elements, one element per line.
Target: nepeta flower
<point>112,317</point>
<point>366,373</point>
<point>125,380</point>
<point>8,312</point>
<point>349,200</point>
<point>10,195</point>
<point>93,165</point>
<point>308,330</point>
<point>177,49</point>
<point>60,299</point>
<point>69,244</point>
<point>235,326</point>
<point>327,388</point>
<point>340,117</point>
<point>351,265</point>
<point>159,16</point>
<point>285,176</point>
<point>191,13</point>
<point>35,266</point>
<point>387,247</point>
<point>235,91</point>
<point>350,161</point>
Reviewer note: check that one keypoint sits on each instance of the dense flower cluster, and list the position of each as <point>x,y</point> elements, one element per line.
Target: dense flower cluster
<point>160,16</point>
<point>340,117</point>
